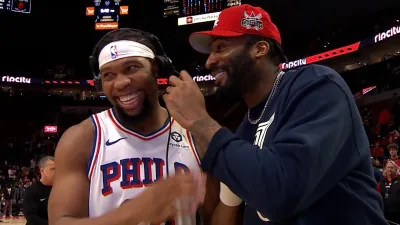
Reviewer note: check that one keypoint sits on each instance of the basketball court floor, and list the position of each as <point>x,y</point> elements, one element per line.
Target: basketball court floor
<point>14,221</point>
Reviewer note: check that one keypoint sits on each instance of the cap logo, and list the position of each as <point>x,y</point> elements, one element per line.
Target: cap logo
<point>252,21</point>
<point>216,22</point>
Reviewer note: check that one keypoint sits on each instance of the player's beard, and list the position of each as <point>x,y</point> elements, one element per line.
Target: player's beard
<point>132,120</point>
<point>147,108</point>
<point>243,76</point>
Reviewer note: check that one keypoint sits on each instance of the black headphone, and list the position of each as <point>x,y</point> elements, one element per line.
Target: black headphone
<point>164,63</point>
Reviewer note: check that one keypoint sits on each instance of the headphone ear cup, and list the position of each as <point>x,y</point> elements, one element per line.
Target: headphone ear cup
<point>166,68</point>
<point>97,84</point>
<point>95,72</point>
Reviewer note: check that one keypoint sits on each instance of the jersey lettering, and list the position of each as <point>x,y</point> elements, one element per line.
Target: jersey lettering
<point>111,172</point>
<point>130,172</point>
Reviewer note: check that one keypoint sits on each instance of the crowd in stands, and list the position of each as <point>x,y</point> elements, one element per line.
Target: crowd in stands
<point>382,128</point>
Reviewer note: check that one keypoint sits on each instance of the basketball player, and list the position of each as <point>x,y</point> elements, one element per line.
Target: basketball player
<point>301,155</point>
<point>112,166</point>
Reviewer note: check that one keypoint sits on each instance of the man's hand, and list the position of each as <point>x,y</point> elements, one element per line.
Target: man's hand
<point>184,100</point>
<point>159,199</point>
<point>186,104</point>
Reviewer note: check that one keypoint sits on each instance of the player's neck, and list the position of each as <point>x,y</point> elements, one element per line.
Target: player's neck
<point>261,90</point>
<point>152,122</point>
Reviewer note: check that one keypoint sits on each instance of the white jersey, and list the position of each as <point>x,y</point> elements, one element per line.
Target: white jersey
<point>124,162</point>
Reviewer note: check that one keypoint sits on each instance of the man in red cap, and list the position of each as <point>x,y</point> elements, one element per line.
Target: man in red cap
<point>301,154</point>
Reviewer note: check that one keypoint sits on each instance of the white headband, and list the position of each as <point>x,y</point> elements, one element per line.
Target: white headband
<point>122,49</point>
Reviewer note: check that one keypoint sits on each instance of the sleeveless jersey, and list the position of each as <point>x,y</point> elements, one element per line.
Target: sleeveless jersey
<point>124,162</point>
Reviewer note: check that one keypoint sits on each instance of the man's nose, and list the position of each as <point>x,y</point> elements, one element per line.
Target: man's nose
<point>211,61</point>
<point>121,82</point>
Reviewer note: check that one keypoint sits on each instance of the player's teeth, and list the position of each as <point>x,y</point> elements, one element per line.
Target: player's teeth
<point>129,97</point>
<point>219,74</point>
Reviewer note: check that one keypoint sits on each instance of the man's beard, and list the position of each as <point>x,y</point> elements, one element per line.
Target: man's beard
<point>242,78</point>
<point>132,120</point>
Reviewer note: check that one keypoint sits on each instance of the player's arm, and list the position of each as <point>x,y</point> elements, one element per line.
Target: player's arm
<point>228,210</point>
<point>213,211</point>
<point>283,178</point>
<point>211,198</point>
<point>68,203</point>
<point>31,207</point>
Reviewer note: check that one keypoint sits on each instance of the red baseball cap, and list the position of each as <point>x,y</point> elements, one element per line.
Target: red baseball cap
<point>234,22</point>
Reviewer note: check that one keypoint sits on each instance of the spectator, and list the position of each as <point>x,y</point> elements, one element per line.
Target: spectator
<point>11,173</point>
<point>33,163</point>
<point>388,187</point>
<point>36,196</point>
<point>8,199</point>
<point>19,197</point>
<point>393,148</point>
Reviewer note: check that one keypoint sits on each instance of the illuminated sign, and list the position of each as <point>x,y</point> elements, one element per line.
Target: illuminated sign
<point>107,14</point>
<point>162,81</point>
<point>5,5</point>
<point>106,26</point>
<point>293,64</point>
<point>123,10</point>
<point>198,18</point>
<point>322,56</point>
<point>50,129</point>
<point>11,79</point>
<point>368,89</point>
<point>387,34</point>
<point>106,11</point>
<point>203,78</point>
<point>90,11</point>
<point>171,8</point>
<point>64,82</point>
<point>21,6</point>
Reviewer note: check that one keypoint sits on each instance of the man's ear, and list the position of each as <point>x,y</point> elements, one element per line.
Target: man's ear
<point>261,49</point>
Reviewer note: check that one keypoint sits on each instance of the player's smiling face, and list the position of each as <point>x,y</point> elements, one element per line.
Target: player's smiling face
<point>130,86</point>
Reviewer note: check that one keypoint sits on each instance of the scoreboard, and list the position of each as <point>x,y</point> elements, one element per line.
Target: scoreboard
<point>106,13</point>
<point>20,6</point>
<point>196,11</point>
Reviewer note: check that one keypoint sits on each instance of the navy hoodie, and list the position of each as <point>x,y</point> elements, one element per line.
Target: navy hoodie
<point>306,162</point>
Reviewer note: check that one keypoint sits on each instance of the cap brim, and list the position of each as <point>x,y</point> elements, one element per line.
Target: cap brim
<point>200,41</point>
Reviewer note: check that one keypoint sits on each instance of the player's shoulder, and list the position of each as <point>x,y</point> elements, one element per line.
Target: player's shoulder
<point>80,132</point>
<point>176,128</point>
<point>78,138</point>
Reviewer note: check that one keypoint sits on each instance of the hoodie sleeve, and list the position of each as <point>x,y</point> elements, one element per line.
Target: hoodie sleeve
<point>284,177</point>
